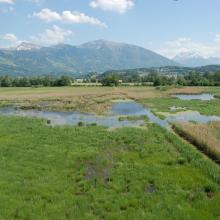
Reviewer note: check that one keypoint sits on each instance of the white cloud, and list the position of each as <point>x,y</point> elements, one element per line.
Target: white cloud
<point>51,36</point>
<point>48,15</point>
<point>186,45</point>
<point>120,6</point>
<point>10,37</point>
<point>7,1</point>
<point>217,38</point>
<point>67,17</point>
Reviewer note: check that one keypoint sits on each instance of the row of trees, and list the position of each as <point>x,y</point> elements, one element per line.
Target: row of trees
<point>114,79</point>
<point>189,79</point>
<point>6,81</point>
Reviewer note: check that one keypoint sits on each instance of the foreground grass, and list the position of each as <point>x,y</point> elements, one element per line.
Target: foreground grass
<point>92,173</point>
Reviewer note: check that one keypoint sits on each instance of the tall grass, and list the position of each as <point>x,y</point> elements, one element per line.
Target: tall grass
<point>202,136</point>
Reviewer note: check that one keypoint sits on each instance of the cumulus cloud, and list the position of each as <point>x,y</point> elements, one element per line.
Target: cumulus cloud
<point>67,17</point>
<point>48,15</point>
<point>13,1</point>
<point>217,38</point>
<point>186,45</point>
<point>120,6</point>
<point>51,36</point>
<point>7,1</point>
<point>10,37</point>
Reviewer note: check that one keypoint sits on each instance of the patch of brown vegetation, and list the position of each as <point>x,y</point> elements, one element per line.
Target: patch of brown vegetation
<point>205,136</point>
<point>83,99</point>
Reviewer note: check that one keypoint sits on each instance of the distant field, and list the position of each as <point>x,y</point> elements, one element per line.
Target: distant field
<point>94,99</point>
<point>92,172</point>
<point>86,99</point>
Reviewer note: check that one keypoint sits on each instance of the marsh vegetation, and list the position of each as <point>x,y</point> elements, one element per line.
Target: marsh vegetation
<point>95,172</point>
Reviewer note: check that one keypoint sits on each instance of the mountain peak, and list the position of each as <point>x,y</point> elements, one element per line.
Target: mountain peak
<point>100,44</point>
<point>62,46</point>
<point>27,46</point>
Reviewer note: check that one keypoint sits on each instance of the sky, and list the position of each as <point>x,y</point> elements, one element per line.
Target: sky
<point>165,26</point>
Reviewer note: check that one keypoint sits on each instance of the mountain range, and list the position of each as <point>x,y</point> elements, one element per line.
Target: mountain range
<point>96,56</point>
<point>99,56</point>
<point>193,59</point>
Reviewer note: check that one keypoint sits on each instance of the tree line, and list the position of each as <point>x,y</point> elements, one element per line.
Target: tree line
<point>115,79</point>
<point>45,81</point>
<point>158,79</point>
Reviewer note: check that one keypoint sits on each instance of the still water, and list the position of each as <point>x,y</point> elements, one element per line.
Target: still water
<point>202,97</point>
<point>118,109</point>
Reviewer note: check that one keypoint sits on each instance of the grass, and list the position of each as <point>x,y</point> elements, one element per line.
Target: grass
<point>93,173</point>
<point>205,136</point>
<point>164,105</point>
<point>83,99</point>
<point>133,118</point>
<point>165,101</point>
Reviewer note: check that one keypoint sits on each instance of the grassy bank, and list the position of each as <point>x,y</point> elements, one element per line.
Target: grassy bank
<point>93,173</point>
<point>204,136</point>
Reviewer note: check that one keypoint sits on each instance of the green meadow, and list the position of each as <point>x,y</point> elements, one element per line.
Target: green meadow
<point>93,172</point>
<point>165,102</point>
<point>96,173</point>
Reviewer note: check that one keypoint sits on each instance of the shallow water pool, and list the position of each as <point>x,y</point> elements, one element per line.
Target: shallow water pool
<point>202,97</point>
<point>118,109</point>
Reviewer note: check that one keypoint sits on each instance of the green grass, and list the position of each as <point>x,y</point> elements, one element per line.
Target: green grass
<point>166,101</point>
<point>93,173</point>
<point>134,118</point>
<point>164,104</point>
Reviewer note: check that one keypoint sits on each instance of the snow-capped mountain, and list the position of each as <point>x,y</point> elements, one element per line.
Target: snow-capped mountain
<point>27,46</point>
<point>194,59</point>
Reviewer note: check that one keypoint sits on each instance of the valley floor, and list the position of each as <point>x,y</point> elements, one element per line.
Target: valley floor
<point>93,172</point>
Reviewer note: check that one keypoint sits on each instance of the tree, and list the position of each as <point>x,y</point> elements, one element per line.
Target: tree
<point>6,81</point>
<point>63,81</point>
<point>110,80</point>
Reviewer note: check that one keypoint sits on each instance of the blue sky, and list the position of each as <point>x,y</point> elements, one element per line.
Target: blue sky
<point>166,26</point>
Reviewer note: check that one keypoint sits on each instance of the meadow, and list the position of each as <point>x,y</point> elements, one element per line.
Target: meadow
<point>165,102</point>
<point>98,99</point>
<point>93,172</point>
